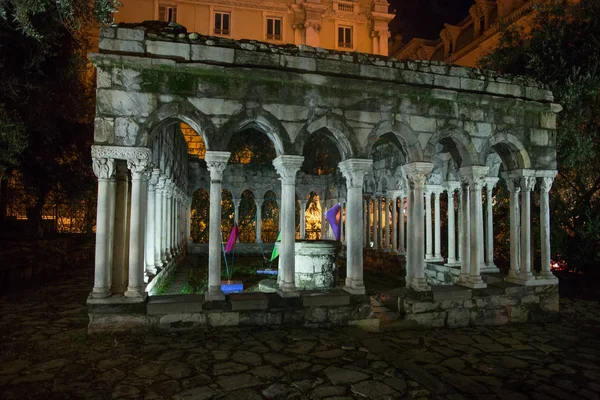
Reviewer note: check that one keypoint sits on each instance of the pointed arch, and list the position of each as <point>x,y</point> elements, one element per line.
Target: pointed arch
<point>261,120</point>
<point>406,137</point>
<point>338,130</point>
<point>180,111</point>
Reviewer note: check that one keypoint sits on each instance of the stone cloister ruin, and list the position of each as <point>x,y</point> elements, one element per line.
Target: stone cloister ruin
<point>413,139</point>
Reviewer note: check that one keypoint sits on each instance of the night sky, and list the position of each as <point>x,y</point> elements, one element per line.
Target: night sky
<point>425,18</point>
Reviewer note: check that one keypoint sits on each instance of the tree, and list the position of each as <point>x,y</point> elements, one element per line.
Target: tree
<point>47,93</point>
<point>562,51</point>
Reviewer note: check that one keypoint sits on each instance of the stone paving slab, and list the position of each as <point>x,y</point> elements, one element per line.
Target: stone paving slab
<point>46,354</point>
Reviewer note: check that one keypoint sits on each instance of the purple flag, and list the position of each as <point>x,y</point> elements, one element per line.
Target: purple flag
<point>334,217</point>
<point>235,232</point>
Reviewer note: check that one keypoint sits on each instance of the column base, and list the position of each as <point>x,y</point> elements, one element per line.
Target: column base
<point>214,293</point>
<point>453,263</point>
<point>287,292</point>
<point>100,293</point>
<point>137,291</point>
<point>472,282</point>
<point>536,281</point>
<point>354,290</point>
<point>489,268</point>
<point>436,259</point>
<point>420,285</point>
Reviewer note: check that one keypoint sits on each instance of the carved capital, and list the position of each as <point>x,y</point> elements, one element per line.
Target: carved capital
<point>452,186</point>
<point>137,166</point>
<point>528,183</point>
<point>216,162</point>
<point>354,171</point>
<point>315,25</point>
<point>160,185</point>
<point>287,166</point>
<point>417,173</point>
<point>153,181</point>
<point>475,176</point>
<point>104,168</point>
<point>490,182</point>
<point>513,185</point>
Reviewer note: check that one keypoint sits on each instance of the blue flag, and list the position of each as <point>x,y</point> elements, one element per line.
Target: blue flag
<point>334,217</point>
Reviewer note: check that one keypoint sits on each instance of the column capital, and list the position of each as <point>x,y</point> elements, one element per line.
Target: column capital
<point>416,173</point>
<point>354,170</point>
<point>474,176</point>
<point>435,189</point>
<point>528,183</point>
<point>216,162</point>
<point>154,178</point>
<point>513,184</point>
<point>162,180</point>
<point>546,184</point>
<point>138,166</point>
<point>452,186</point>
<point>104,168</point>
<point>287,166</point>
<point>490,182</point>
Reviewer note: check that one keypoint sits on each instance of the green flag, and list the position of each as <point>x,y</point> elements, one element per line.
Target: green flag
<point>275,251</point>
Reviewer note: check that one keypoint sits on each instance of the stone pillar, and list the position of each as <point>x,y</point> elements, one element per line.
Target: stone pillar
<point>402,246</point>
<point>489,227</point>
<point>150,218</point>
<point>465,239</point>
<point>354,171</point>
<point>437,248</point>
<point>428,225</point>
<point>158,217</point>
<point>369,219</point>
<point>287,166</point>
<point>111,229</point>
<point>135,288</point>
<point>168,219</point>
<point>451,187</point>
<point>545,185</point>
<point>259,203</point>
<point>236,210</point>
<point>416,174</point>
<point>323,220</point>
<point>376,222</point>
<point>394,222</point>
<point>188,221</point>
<point>216,161</point>
<point>514,189</point>
<point>121,242</point>
<point>164,223</point>
<point>527,186</point>
<point>365,223</point>
<point>104,168</point>
<point>475,175</point>
<point>302,204</point>
<point>343,217</point>
<point>386,220</point>
<point>460,224</point>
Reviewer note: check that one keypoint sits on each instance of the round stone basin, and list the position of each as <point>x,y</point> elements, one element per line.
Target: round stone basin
<point>315,264</point>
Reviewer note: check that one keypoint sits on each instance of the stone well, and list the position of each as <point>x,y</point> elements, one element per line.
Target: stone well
<point>315,264</point>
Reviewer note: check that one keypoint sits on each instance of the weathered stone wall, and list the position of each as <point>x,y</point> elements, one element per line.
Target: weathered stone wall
<point>437,274</point>
<point>496,305</point>
<point>218,86</point>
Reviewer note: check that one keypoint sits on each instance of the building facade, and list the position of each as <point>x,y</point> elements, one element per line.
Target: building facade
<point>354,25</point>
<point>474,37</point>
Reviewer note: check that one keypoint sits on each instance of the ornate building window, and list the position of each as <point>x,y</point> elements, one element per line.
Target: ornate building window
<point>345,37</point>
<point>167,13</point>
<point>222,23</point>
<point>274,28</point>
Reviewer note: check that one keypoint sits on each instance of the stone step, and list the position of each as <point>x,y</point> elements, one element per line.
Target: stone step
<point>175,304</point>
<point>248,301</point>
<point>325,299</point>
<point>451,292</point>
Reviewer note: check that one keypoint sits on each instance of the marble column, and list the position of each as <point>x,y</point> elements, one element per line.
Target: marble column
<point>150,218</point>
<point>287,167</point>
<point>428,225</point>
<point>164,223</point>
<point>377,222</point>
<point>465,238</point>
<point>104,168</point>
<point>259,203</point>
<point>525,274</point>
<point>188,220</point>
<point>216,161</point>
<point>369,220</point>
<point>490,266</point>
<point>459,202</point>
<point>416,174</point>
<point>545,185</point>
<point>323,220</point>
<point>168,219</point>
<point>343,221</point>
<point>437,248</point>
<point>394,203</point>
<point>302,204</point>
<point>451,187</point>
<point>365,222</point>
<point>386,222</point>
<point>401,238</point>
<point>135,287</point>
<point>475,176</point>
<point>121,243</point>
<point>514,189</point>
<point>158,218</point>
<point>236,210</point>
<point>354,171</point>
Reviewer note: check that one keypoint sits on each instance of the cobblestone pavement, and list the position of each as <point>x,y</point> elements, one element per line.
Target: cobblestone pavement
<point>46,354</point>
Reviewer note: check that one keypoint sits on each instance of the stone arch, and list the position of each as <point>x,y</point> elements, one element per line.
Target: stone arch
<point>409,143</point>
<point>463,147</point>
<point>336,128</point>
<point>182,111</point>
<point>261,120</point>
<point>511,150</point>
